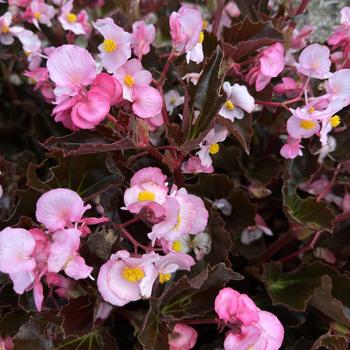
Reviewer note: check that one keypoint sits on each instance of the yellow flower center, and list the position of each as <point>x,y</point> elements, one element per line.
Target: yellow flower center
<point>307,124</point>
<point>201,37</point>
<point>37,15</point>
<point>177,246</point>
<point>146,196</point>
<point>204,24</point>
<point>335,121</point>
<point>173,101</point>
<point>133,274</point>
<point>250,348</point>
<point>27,53</point>
<point>214,148</point>
<point>164,277</point>
<point>109,45</point>
<point>71,17</point>
<point>229,105</point>
<point>129,80</point>
<point>311,110</point>
<point>177,226</point>
<point>5,29</point>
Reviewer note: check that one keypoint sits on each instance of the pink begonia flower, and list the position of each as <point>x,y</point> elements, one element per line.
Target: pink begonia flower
<point>31,47</point>
<point>66,286</point>
<point>6,31</point>
<point>270,65</point>
<point>300,37</point>
<point>39,12</point>
<point>223,205</point>
<point>288,87</point>
<point>210,145</point>
<point>237,97</point>
<point>123,279</point>
<point>172,100</point>
<point>186,32</point>
<point>325,254</point>
<point>16,248</point>
<point>338,87</point>
<point>70,20</point>
<point>148,102</point>
<point>71,67</point>
<point>314,62</point>
<point>109,86</point>
<point>254,233</point>
<point>292,148</point>
<point>132,75</point>
<point>184,214</point>
<point>303,122</point>
<point>194,166</point>
<point>142,37</point>
<point>168,264</point>
<point>40,77</point>
<point>115,49</point>
<point>340,36</point>
<point>64,255</point>
<point>146,186</point>
<point>345,15</point>
<point>346,203</point>
<point>183,337</point>
<point>192,77</point>
<point>231,306</point>
<point>59,208</point>
<point>230,10</point>
<point>266,334</point>
<point>155,122</point>
<point>6,343</point>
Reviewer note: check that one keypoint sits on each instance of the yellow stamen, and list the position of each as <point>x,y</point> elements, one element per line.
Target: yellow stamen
<point>173,100</point>
<point>37,15</point>
<point>307,124</point>
<point>311,110</point>
<point>5,29</point>
<point>214,148</point>
<point>129,80</point>
<point>164,277</point>
<point>133,274</point>
<point>335,121</point>
<point>229,105</point>
<point>204,24</point>
<point>27,53</point>
<point>201,37</point>
<point>146,196</point>
<point>177,226</point>
<point>177,246</point>
<point>71,17</point>
<point>109,45</point>
<point>250,348</point>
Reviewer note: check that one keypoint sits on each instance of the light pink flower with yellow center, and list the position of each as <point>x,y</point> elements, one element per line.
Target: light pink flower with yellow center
<point>69,20</point>
<point>132,75</point>
<point>123,278</point>
<point>31,47</point>
<point>7,32</point>
<point>40,13</point>
<point>116,47</point>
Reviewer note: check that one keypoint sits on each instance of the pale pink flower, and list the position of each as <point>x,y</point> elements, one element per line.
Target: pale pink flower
<point>132,75</point>
<point>148,102</point>
<point>143,36</point>
<point>345,16</point>
<point>194,166</point>
<point>166,265</point>
<point>6,31</point>
<point>16,248</point>
<point>266,334</point>
<point>123,279</point>
<point>288,87</point>
<point>303,122</point>
<point>6,343</point>
<point>314,62</point>
<point>223,205</point>
<point>71,67</point>
<point>338,86</point>
<point>64,255</point>
<point>238,98</point>
<point>69,20</point>
<point>325,254</point>
<point>183,337</point>
<point>104,310</point>
<point>40,13</point>
<point>292,148</point>
<point>172,100</point>
<point>115,49</point>
<point>210,145</point>
<point>270,65</point>
<point>31,47</point>
<point>155,122</point>
<point>148,186</point>
<point>300,38</point>
<point>186,32</point>
<point>59,208</point>
<point>253,233</point>
<point>232,306</point>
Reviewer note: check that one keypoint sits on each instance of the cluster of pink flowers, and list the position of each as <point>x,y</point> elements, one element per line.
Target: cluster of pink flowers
<point>258,329</point>
<point>28,256</point>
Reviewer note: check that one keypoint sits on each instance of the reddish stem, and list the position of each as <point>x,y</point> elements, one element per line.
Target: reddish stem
<point>130,222</point>
<point>129,237</point>
<point>217,17</point>
<point>342,217</point>
<point>302,7</point>
<point>330,185</point>
<point>204,321</point>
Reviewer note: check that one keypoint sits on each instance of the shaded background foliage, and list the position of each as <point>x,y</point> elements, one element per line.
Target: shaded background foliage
<point>310,296</point>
